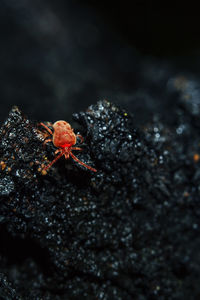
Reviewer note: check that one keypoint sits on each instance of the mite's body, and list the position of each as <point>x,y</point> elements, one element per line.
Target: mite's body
<point>63,135</point>
<point>64,139</point>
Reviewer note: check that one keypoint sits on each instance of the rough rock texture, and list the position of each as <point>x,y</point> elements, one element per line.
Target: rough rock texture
<point>129,231</point>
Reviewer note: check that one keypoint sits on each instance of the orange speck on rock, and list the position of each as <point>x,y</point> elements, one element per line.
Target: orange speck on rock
<point>3,165</point>
<point>196,157</point>
<point>186,194</point>
<point>44,172</point>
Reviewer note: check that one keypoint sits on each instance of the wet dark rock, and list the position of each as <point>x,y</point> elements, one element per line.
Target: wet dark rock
<point>6,186</point>
<point>6,289</point>
<point>129,231</point>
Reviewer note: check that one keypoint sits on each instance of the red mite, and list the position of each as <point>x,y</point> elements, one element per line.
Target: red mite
<point>64,139</point>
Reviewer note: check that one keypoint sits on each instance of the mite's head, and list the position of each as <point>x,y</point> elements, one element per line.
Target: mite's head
<point>61,125</point>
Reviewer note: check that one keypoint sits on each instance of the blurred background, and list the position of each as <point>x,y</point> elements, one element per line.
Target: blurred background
<point>58,57</point>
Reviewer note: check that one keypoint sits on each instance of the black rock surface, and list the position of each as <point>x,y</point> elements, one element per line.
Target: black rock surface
<point>129,231</point>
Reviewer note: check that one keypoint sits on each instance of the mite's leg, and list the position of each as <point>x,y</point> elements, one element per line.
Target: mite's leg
<point>47,141</point>
<point>58,150</point>
<point>67,153</point>
<point>81,163</point>
<point>76,148</point>
<point>47,128</point>
<point>80,137</point>
<point>51,163</point>
<point>49,124</point>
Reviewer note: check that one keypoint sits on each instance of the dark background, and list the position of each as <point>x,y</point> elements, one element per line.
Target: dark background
<point>57,57</point>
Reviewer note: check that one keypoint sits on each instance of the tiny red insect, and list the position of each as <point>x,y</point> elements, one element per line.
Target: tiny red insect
<point>64,139</point>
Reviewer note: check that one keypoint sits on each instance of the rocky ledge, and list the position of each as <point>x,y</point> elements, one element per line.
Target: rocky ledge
<point>128,231</point>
